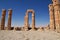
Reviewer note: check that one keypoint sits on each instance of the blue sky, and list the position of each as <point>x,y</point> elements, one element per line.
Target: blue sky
<point>19,8</point>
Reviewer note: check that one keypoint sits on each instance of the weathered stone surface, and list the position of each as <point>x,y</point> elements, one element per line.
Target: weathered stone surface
<point>41,29</point>
<point>46,28</point>
<point>52,19</point>
<point>9,19</point>
<point>27,19</point>
<point>3,19</point>
<point>17,28</point>
<point>25,23</point>
<point>54,10</point>
<point>56,4</point>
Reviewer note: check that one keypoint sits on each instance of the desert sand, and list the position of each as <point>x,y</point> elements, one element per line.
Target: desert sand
<point>29,35</point>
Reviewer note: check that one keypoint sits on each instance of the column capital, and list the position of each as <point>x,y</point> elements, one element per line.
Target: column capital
<point>55,2</point>
<point>9,19</point>
<point>3,19</point>
<point>3,9</point>
<point>10,9</point>
<point>51,8</point>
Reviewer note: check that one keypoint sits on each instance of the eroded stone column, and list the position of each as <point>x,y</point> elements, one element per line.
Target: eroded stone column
<point>33,21</point>
<point>26,23</point>
<point>52,19</point>
<point>27,20</point>
<point>56,4</point>
<point>9,19</point>
<point>3,19</point>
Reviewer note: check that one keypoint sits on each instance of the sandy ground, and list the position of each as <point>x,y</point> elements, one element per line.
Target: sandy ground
<point>29,35</point>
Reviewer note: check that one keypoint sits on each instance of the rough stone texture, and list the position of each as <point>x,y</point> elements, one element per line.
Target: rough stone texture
<point>56,4</point>
<point>46,28</point>
<point>54,10</point>
<point>27,19</point>
<point>3,19</point>
<point>52,19</point>
<point>9,19</point>
<point>41,29</point>
<point>25,23</point>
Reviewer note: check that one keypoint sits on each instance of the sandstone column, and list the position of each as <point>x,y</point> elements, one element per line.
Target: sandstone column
<point>9,19</point>
<point>52,20</point>
<point>26,23</point>
<point>3,19</point>
<point>56,4</point>
<point>33,21</point>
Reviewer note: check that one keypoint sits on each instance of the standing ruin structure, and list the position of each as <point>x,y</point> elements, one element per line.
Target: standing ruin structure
<point>27,19</point>
<point>52,19</point>
<point>2,26</point>
<point>9,19</point>
<point>3,19</point>
<point>56,12</point>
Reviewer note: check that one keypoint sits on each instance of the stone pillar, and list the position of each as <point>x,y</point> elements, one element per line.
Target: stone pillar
<point>3,19</point>
<point>9,19</point>
<point>25,23</point>
<point>56,4</point>
<point>27,20</point>
<point>52,20</point>
<point>33,21</point>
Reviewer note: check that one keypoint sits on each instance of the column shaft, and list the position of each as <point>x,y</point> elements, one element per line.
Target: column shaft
<point>56,4</point>
<point>52,19</point>
<point>9,19</point>
<point>27,21</point>
<point>3,19</point>
<point>33,21</point>
<point>57,20</point>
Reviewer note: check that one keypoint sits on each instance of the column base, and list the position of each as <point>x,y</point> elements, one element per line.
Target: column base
<point>40,30</point>
<point>58,31</point>
<point>32,30</point>
<point>25,29</point>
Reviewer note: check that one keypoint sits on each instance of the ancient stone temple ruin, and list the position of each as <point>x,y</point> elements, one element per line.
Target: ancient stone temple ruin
<point>27,19</point>
<point>9,19</point>
<point>3,19</point>
<point>54,13</point>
